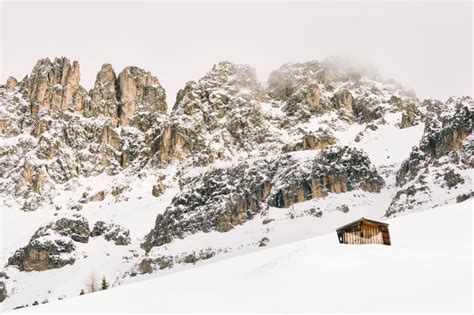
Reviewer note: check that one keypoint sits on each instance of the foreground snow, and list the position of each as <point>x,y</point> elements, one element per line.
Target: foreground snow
<point>428,268</point>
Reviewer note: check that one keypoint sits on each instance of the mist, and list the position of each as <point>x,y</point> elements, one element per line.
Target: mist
<point>425,46</point>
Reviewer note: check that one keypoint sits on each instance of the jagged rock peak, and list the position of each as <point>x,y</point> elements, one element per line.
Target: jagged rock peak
<point>228,97</point>
<point>53,84</point>
<point>139,90</point>
<point>11,84</point>
<point>74,132</point>
<point>233,78</point>
<point>334,84</point>
<point>121,97</point>
<point>240,75</point>
<point>325,72</point>
<point>104,86</point>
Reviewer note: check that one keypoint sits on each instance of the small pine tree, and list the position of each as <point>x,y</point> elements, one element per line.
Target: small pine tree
<point>105,284</point>
<point>82,292</point>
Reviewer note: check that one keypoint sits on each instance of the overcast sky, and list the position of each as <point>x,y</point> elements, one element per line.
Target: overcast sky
<point>425,46</point>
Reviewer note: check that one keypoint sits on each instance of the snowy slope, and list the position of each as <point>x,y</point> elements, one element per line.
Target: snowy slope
<point>427,269</point>
<point>133,178</point>
<point>138,208</point>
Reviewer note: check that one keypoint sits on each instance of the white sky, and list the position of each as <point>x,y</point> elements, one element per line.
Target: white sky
<point>425,46</point>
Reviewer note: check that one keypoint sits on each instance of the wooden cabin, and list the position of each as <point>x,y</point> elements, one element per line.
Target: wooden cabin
<point>364,231</point>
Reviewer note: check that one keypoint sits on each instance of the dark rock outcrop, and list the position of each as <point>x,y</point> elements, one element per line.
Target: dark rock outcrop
<point>52,245</point>
<point>440,138</point>
<point>222,198</point>
<point>41,255</point>
<point>410,116</point>
<point>111,232</point>
<point>3,291</point>
<point>312,141</point>
<point>444,152</point>
<point>215,117</point>
<point>76,228</point>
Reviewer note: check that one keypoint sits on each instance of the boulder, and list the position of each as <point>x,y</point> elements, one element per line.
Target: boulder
<point>111,232</point>
<point>42,254</point>
<point>76,228</point>
<point>158,189</point>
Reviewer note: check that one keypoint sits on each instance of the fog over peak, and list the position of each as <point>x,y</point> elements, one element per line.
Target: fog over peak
<point>424,46</point>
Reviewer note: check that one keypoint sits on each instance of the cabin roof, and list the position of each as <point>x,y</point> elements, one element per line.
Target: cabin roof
<point>362,220</point>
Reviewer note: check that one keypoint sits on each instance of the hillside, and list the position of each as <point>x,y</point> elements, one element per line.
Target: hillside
<point>427,269</point>
<point>113,181</point>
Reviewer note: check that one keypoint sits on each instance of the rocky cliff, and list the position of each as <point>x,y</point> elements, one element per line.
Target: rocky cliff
<point>254,164</point>
<point>222,198</point>
<point>53,130</point>
<point>217,117</point>
<point>441,162</point>
<point>354,92</point>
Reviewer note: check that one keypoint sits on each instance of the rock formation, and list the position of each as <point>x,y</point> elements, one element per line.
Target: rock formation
<point>54,84</point>
<point>111,232</point>
<point>74,132</point>
<point>224,197</point>
<point>43,254</point>
<point>3,291</point>
<point>444,152</point>
<point>314,88</point>
<point>215,117</point>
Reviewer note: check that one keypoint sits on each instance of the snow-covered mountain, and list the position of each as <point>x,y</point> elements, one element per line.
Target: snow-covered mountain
<point>307,276</point>
<point>110,182</point>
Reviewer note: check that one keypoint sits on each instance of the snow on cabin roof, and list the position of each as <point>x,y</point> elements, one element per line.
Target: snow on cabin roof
<point>360,220</point>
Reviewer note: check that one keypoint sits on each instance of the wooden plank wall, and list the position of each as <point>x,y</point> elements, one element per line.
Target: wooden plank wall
<point>368,234</point>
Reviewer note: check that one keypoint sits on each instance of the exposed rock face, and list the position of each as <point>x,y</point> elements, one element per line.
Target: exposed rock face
<point>104,95</point>
<point>43,254</point>
<point>343,99</point>
<point>139,89</point>
<point>158,189</point>
<point>312,141</point>
<point>11,84</point>
<point>410,117</point>
<point>111,232</point>
<point>3,291</point>
<point>68,132</point>
<point>75,228</point>
<point>314,88</point>
<point>53,84</point>
<point>224,197</point>
<point>440,138</point>
<point>52,245</point>
<point>149,265</point>
<point>298,86</point>
<point>227,113</point>
<point>215,117</point>
<point>334,170</point>
<point>121,124</point>
<point>442,160</point>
